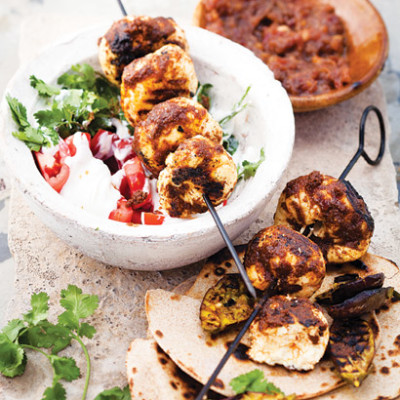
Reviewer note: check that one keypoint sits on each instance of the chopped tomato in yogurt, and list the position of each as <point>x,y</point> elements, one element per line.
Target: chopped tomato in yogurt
<point>103,176</point>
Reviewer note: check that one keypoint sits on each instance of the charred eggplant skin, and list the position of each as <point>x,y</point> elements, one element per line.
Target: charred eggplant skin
<point>364,302</point>
<point>352,348</point>
<point>345,289</point>
<point>227,303</point>
<point>262,396</point>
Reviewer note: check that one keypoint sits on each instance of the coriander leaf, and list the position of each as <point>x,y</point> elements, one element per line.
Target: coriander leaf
<point>33,137</point>
<point>253,381</point>
<point>86,330</point>
<point>49,118</point>
<point>230,144</point>
<point>18,112</point>
<point>55,392</point>
<point>65,368</point>
<point>248,169</point>
<point>202,95</point>
<point>40,307</point>
<point>236,109</point>
<point>43,88</point>
<point>13,328</point>
<point>12,357</point>
<point>78,306</point>
<point>79,77</point>
<point>47,335</point>
<point>72,98</point>
<point>114,394</point>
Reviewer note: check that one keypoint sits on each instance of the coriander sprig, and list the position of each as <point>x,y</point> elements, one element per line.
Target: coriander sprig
<point>248,169</point>
<point>35,332</point>
<point>253,381</point>
<point>236,109</point>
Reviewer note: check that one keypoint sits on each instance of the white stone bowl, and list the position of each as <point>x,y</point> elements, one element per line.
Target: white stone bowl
<point>230,68</point>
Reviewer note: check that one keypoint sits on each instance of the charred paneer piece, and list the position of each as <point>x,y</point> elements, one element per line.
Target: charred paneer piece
<point>167,125</point>
<point>292,332</point>
<point>225,304</point>
<point>198,166</point>
<point>282,254</point>
<point>133,37</point>
<point>168,72</point>
<point>352,348</point>
<point>330,212</point>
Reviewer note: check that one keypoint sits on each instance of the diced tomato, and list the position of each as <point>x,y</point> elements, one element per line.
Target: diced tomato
<point>124,187</point>
<point>57,182</point>
<point>54,172</point>
<point>123,150</point>
<point>153,219</point>
<point>123,212</point>
<point>134,173</point>
<point>102,144</point>
<point>137,217</point>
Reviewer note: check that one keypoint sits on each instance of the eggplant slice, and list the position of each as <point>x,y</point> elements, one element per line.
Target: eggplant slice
<point>352,348</point>
<point>349,285</point>
<point>225,304</point>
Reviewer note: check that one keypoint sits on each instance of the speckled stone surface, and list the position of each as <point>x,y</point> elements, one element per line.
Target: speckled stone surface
<point>326,140</point>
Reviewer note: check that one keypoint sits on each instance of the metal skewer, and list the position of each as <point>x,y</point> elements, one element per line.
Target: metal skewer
<point>230,247</point>
<point>236,342</point>
<point>121,6</point>
<point>361,152</point>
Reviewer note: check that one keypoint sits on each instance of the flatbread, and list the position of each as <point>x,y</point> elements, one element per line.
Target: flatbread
<point>153,376</point>
<point>181,336</point>
<point>213,270</point>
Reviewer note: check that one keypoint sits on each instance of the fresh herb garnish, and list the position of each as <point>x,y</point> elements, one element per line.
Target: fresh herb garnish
<point>87,102</point>
<point>202,95</point>
<point>236,109</point>
<point>253,381</point>
<point>35,332</point>
<point>230,143</point>
<point>34,138</point>
<point>43,88</point>
<point>114,394</point>
<point>248,169</point>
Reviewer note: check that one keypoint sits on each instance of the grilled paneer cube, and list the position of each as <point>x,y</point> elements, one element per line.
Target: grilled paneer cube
<point>167,125</point>
<point>335,215</point>
<point>292,332</point>
<point>133,37</point>
<point>282,254</point>
<point>168,72</point>
<point>197,167</point>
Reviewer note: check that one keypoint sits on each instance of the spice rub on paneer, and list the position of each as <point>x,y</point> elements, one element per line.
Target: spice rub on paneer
<point>168,72</point>
<point>167,125</point>
<point>133,37</point>
<point>336,216</point>
<point>288,331</point>
<point>197,167</point>
<point>282,254</point>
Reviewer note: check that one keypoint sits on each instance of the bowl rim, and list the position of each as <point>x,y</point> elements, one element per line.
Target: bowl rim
<point>33,184</point>
<point>323,100</point>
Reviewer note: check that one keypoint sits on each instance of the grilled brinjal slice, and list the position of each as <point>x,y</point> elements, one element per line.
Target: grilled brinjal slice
<point>262,396</point>
<point>352,348</point>
<point>345,288</point>
<point>225,304</point>
<point>362,303</point>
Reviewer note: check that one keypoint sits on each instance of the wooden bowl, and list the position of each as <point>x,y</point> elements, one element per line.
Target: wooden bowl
<point>368,50</point>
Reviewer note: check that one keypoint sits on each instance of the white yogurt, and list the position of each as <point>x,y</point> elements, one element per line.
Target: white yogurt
<point>89,184</point>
